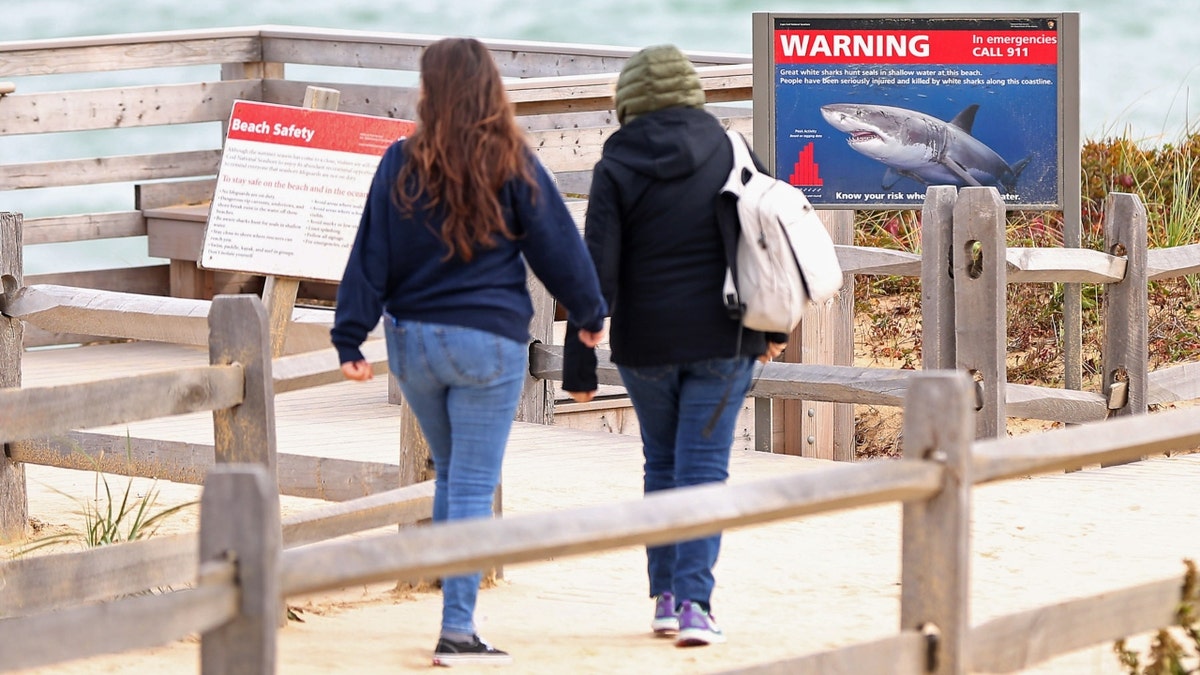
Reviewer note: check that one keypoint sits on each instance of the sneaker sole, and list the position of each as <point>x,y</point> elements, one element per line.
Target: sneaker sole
<point>694,637</point>
<point>665,627</point>
<point>459,659</point>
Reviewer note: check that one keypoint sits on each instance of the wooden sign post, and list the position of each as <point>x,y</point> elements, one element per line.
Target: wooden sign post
<point>289,193</point>
<point>279,293</point>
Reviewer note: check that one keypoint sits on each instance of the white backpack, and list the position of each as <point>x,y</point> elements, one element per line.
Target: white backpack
<point>785,257</point>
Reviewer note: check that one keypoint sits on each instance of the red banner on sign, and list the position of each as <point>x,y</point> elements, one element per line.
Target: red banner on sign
<point>914,47</point>
<point>313,128</point>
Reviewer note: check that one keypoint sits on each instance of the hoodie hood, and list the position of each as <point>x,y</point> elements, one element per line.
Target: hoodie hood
<point>666,144</point>
<point>655,78</point>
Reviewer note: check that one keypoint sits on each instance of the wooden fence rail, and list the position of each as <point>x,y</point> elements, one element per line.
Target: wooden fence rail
<point>933,481</point>
<point>51,582</point>
<point>236,387</point>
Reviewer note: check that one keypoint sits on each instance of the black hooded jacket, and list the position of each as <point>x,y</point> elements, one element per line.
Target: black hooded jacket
<point>659,247</point>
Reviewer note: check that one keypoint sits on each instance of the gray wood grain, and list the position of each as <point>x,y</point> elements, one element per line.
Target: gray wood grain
<point>980,308</point>
<point>144,621</point>
<point>1051,630</point>
<point>462,546</point>
<point>14,507</point>
<point>1125,344</point>
<point>937,279</point>
<point>1113,440</point>
<point>935,546</point>
<point>238,334</point>
<point>34,412</point>
<point>239,521</point>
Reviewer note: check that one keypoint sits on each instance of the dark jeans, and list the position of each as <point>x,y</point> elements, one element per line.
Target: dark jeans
<point>685,445</point>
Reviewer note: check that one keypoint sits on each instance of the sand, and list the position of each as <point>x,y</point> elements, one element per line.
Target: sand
<point>783,590</point>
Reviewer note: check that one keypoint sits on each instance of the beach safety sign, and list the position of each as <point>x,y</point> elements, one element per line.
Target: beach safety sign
<point>869,111</point>
<point>291,188</point>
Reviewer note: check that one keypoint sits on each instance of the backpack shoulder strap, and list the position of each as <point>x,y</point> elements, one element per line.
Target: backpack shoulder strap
<point>743,164</point>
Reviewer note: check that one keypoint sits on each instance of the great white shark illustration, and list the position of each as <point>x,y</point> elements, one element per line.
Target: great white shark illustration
<point>922,147</point>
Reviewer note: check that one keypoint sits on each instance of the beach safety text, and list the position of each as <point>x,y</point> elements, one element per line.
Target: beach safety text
<point>278,129</point>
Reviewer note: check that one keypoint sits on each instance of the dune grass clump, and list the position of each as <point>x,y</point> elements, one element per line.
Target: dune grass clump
<point>110,517</point>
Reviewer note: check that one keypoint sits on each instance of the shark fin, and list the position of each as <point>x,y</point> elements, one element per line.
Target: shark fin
<point>889,178</point>
<point>1010,183</point>
<point>966,119</point>
<point>960,171</point>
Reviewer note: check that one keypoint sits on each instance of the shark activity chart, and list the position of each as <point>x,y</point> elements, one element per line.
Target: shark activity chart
<point>870,111</point>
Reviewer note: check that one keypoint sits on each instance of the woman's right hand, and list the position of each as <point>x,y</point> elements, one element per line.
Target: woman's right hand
<point>582,396</point>
<point>357,370</point>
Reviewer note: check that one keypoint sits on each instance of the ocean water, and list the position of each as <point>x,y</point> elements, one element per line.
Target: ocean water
<point>1139,70</point>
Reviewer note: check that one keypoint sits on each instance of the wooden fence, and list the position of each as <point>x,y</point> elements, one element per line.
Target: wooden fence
<point>230,578</point>
<point>188,80</point>
<point>963,275</point>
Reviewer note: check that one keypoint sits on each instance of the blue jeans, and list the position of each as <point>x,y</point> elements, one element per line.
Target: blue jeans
<point>463,385</point>
<point>687,430</point>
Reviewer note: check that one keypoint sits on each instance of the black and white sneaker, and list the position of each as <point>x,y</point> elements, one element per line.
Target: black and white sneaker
<point>452,653</point>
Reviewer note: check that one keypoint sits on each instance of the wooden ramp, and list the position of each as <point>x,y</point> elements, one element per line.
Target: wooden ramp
<point>786,589</point>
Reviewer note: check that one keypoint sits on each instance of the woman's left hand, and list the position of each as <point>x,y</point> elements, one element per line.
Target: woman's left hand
<point>773,349</point>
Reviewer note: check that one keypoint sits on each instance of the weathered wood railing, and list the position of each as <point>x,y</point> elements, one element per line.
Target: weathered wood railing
<point>189,80</point>
<point>561,92</point>
<point>243,571</point>
<point>237,388</point>
<point>964,316</point>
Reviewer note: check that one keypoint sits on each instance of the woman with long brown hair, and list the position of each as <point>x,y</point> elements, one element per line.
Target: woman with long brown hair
<point>453,215</point>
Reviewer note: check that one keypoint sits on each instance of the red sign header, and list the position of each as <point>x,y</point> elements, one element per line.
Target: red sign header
<point>313,128</point>
<point>916,47</point>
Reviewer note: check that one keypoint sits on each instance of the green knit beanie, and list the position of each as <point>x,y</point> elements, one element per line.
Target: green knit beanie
<point>655,78</point>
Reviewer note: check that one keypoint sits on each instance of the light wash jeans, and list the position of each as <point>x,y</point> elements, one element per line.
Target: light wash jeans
<point>684,444</point>
<point>463,385</point>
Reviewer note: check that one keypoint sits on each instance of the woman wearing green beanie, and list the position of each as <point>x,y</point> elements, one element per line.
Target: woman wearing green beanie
<point>659,247</point>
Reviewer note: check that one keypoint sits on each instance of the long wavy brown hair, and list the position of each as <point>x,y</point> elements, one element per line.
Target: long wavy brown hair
<point>467,145</point>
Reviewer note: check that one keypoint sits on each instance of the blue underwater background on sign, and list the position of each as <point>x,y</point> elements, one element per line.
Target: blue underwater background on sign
<point>1017,123</point>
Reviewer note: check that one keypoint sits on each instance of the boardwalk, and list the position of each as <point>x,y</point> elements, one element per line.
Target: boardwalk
<point>785,589</point>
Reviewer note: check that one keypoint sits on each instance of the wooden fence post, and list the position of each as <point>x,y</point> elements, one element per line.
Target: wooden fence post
<point>239,519</point>
<point>825,336</point>
<point>1126,308</point>
<point>935,551</point>
<point>937,280</point>
<point>14,500</point>
<point>237,333</point>
<point>537,398</point>
<point>980,305</point>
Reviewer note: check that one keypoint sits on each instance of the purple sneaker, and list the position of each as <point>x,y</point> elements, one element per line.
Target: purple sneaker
<point>666,617</point>
<point>697,627</point>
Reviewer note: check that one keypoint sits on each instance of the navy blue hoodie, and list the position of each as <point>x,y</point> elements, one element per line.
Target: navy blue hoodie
<point>396,265</point>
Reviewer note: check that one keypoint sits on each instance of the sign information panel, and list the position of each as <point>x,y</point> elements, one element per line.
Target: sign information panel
<point>870,111</point>
<point>291,188</point>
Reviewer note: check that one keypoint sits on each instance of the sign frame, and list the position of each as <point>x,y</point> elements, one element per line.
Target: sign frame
<point>1045,177</point>
<point>291,187</point>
